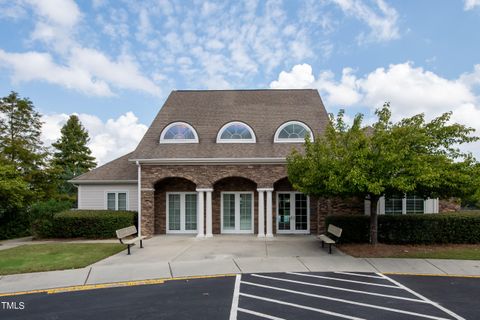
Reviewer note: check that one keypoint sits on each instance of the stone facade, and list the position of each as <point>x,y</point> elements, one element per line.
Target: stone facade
<point>449,205</point>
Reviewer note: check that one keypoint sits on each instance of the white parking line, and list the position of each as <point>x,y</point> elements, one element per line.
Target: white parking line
<point>339,288</point>
<point>358,275</point>
<point>374,306</point>
<point>259,314</point>
<point>340,315</point>
<point>453,314</point>
<point>344,280</point>
<point>236,291</point>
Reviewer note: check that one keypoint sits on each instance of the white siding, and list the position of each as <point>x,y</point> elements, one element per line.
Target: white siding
<point>93,196</point>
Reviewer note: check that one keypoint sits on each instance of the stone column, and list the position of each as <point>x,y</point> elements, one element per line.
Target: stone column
<point>148,212</point>
<point>261,213</point>
<point>269,213</point>
<point>200,213</point>
<point>208,221</point>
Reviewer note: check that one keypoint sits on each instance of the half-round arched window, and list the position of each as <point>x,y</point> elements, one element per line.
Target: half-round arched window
<point>179,132</point>
<point>293,131</point>
<point>236,132</point>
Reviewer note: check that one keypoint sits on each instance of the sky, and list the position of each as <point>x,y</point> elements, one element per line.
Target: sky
<point>114,62</point>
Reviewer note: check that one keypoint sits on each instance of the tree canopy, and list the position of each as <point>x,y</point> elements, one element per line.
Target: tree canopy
<point>409,156</point>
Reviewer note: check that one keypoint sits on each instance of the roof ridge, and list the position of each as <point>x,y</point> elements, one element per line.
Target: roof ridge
<point>224,90</point>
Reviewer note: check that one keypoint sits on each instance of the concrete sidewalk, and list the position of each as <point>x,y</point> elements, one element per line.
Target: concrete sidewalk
<point>179,256</point>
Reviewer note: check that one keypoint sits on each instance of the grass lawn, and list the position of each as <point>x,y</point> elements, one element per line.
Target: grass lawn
<point>448,251</point>
<point>56,256</point>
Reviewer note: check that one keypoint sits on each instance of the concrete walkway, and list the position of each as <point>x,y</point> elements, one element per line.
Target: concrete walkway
<point>179,256</point>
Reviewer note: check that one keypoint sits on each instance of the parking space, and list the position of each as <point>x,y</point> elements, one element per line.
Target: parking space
<point>339,295</point>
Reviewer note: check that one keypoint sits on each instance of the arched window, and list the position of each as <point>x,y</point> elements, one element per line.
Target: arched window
<point>293,131</point>
<point>236,132</point>
<point>179,132</point>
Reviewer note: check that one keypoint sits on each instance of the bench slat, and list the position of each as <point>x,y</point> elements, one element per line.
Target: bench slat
<point>131,241</point>
<point>336,231</point>
<point>125,232</point>
<point>325,238</point>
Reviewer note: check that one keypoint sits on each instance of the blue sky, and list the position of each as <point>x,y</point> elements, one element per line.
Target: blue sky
<point>115,62</point>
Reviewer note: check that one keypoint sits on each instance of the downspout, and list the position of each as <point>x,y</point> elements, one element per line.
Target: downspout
<point>139,196</point>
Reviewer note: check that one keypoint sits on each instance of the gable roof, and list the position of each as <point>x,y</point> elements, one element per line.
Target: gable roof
<point>118,170</point>
<point>209,110</point>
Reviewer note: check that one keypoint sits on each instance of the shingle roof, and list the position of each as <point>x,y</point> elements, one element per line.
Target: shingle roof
<point>119,169</point>
<point>207,111</point>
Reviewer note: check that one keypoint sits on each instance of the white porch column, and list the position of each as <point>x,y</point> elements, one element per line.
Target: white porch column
<point>261,213</point>
<point>200,213</point>
<point>269,213</point>
<point>209,213</point>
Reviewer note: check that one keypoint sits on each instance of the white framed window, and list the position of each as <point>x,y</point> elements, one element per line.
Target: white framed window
<point>293,212</point>
<point>116,200</point>
<point>293,132</point>
<point>181,212</point>
<point>236,132</point>
<point>237,212</point>
<point>179,132</point>
<point>407,204</point>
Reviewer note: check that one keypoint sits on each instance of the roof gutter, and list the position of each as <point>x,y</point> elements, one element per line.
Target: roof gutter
<point>102,181</point>
<point>211,161</point>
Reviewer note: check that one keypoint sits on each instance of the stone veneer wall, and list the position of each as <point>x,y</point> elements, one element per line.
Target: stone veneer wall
<point>337,206</point>
<point>449,205</point>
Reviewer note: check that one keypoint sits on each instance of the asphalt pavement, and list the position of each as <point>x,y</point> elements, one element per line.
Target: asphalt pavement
<point>290,295</point>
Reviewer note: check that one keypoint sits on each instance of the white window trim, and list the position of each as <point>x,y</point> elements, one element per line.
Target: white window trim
<point>182,213</point>
<point>116,192</point>
<point>381,206</point>
<point>286,140</point>
<point>292,206</point>
<point>220,132</point>
<point>237,213</point>
<point>165,130</point>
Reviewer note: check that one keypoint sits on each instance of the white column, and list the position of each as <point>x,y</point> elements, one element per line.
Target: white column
<point>269,213</point>
<point>200,213</point>
<point>209,213</point>
<point>261,213</point>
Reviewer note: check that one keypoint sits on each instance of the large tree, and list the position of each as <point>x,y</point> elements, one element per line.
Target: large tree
<point>20,144</point>
<point>408,156</point>
<point>72,156</point>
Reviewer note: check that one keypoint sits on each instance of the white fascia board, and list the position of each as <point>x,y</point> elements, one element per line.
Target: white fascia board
<point>103,181</point>
<point>212,161</point>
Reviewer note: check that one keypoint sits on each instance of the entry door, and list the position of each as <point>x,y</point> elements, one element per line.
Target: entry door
<point>181,212</point>
<point>292,213</point>
<point>237,212</point>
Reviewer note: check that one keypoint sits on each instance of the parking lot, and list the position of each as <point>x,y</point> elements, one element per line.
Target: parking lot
<point>291,295</point>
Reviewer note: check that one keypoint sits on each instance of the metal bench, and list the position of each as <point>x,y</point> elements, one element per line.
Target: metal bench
<point>124,235</point>
<point>332,232</point>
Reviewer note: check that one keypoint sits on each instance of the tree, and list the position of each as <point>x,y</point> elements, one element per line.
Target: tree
<point>73,156</point>
<point>409,156</point>
<point>20,144</point>
<point>13,191</point>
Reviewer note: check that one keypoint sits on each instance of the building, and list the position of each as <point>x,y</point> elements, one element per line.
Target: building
<point>214,162</point>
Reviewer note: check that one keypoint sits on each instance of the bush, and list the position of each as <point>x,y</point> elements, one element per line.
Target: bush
<point>15,228</point>
<point>411,229</point>
<point>93,224</point>
<point>47,209</point>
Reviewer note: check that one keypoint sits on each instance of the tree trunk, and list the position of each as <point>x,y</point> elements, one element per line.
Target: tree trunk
<point>373,219</point>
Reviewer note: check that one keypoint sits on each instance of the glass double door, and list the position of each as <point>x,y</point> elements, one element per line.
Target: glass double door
<point>292,213</point>
<point>237,212</point>
<point>181,212</point>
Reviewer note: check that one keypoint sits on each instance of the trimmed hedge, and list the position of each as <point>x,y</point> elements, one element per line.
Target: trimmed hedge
<point>92,224</point>
<point>411,229</point>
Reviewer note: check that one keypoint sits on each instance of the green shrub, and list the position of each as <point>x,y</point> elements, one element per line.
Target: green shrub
<point>47,209</point>
<point>93,224</point>
<point>15,228</point>
<point>411,229</point>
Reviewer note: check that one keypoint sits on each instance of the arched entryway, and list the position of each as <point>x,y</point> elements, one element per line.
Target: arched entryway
<point>234,206</point>
<point>175,206</point>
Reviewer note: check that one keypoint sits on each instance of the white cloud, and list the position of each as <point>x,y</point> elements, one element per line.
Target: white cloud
<point>383,22</point>
<point>409,89</point>
<point>471,4</point>
<point>108,140</point>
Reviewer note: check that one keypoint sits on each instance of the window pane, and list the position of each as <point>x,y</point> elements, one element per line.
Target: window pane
<point>301,212</point>
<point>190,212</point>
<point>415,205</point>
<point>122,201</point>
<point>229,211</point>
<point>179,132</point>
<point>245,211</point>
<point>174,212</point>
<point>293,131</point>
<point>236,131</point>
<point>393,205</point>
<point>111,201</point>
<point>284,211</point>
